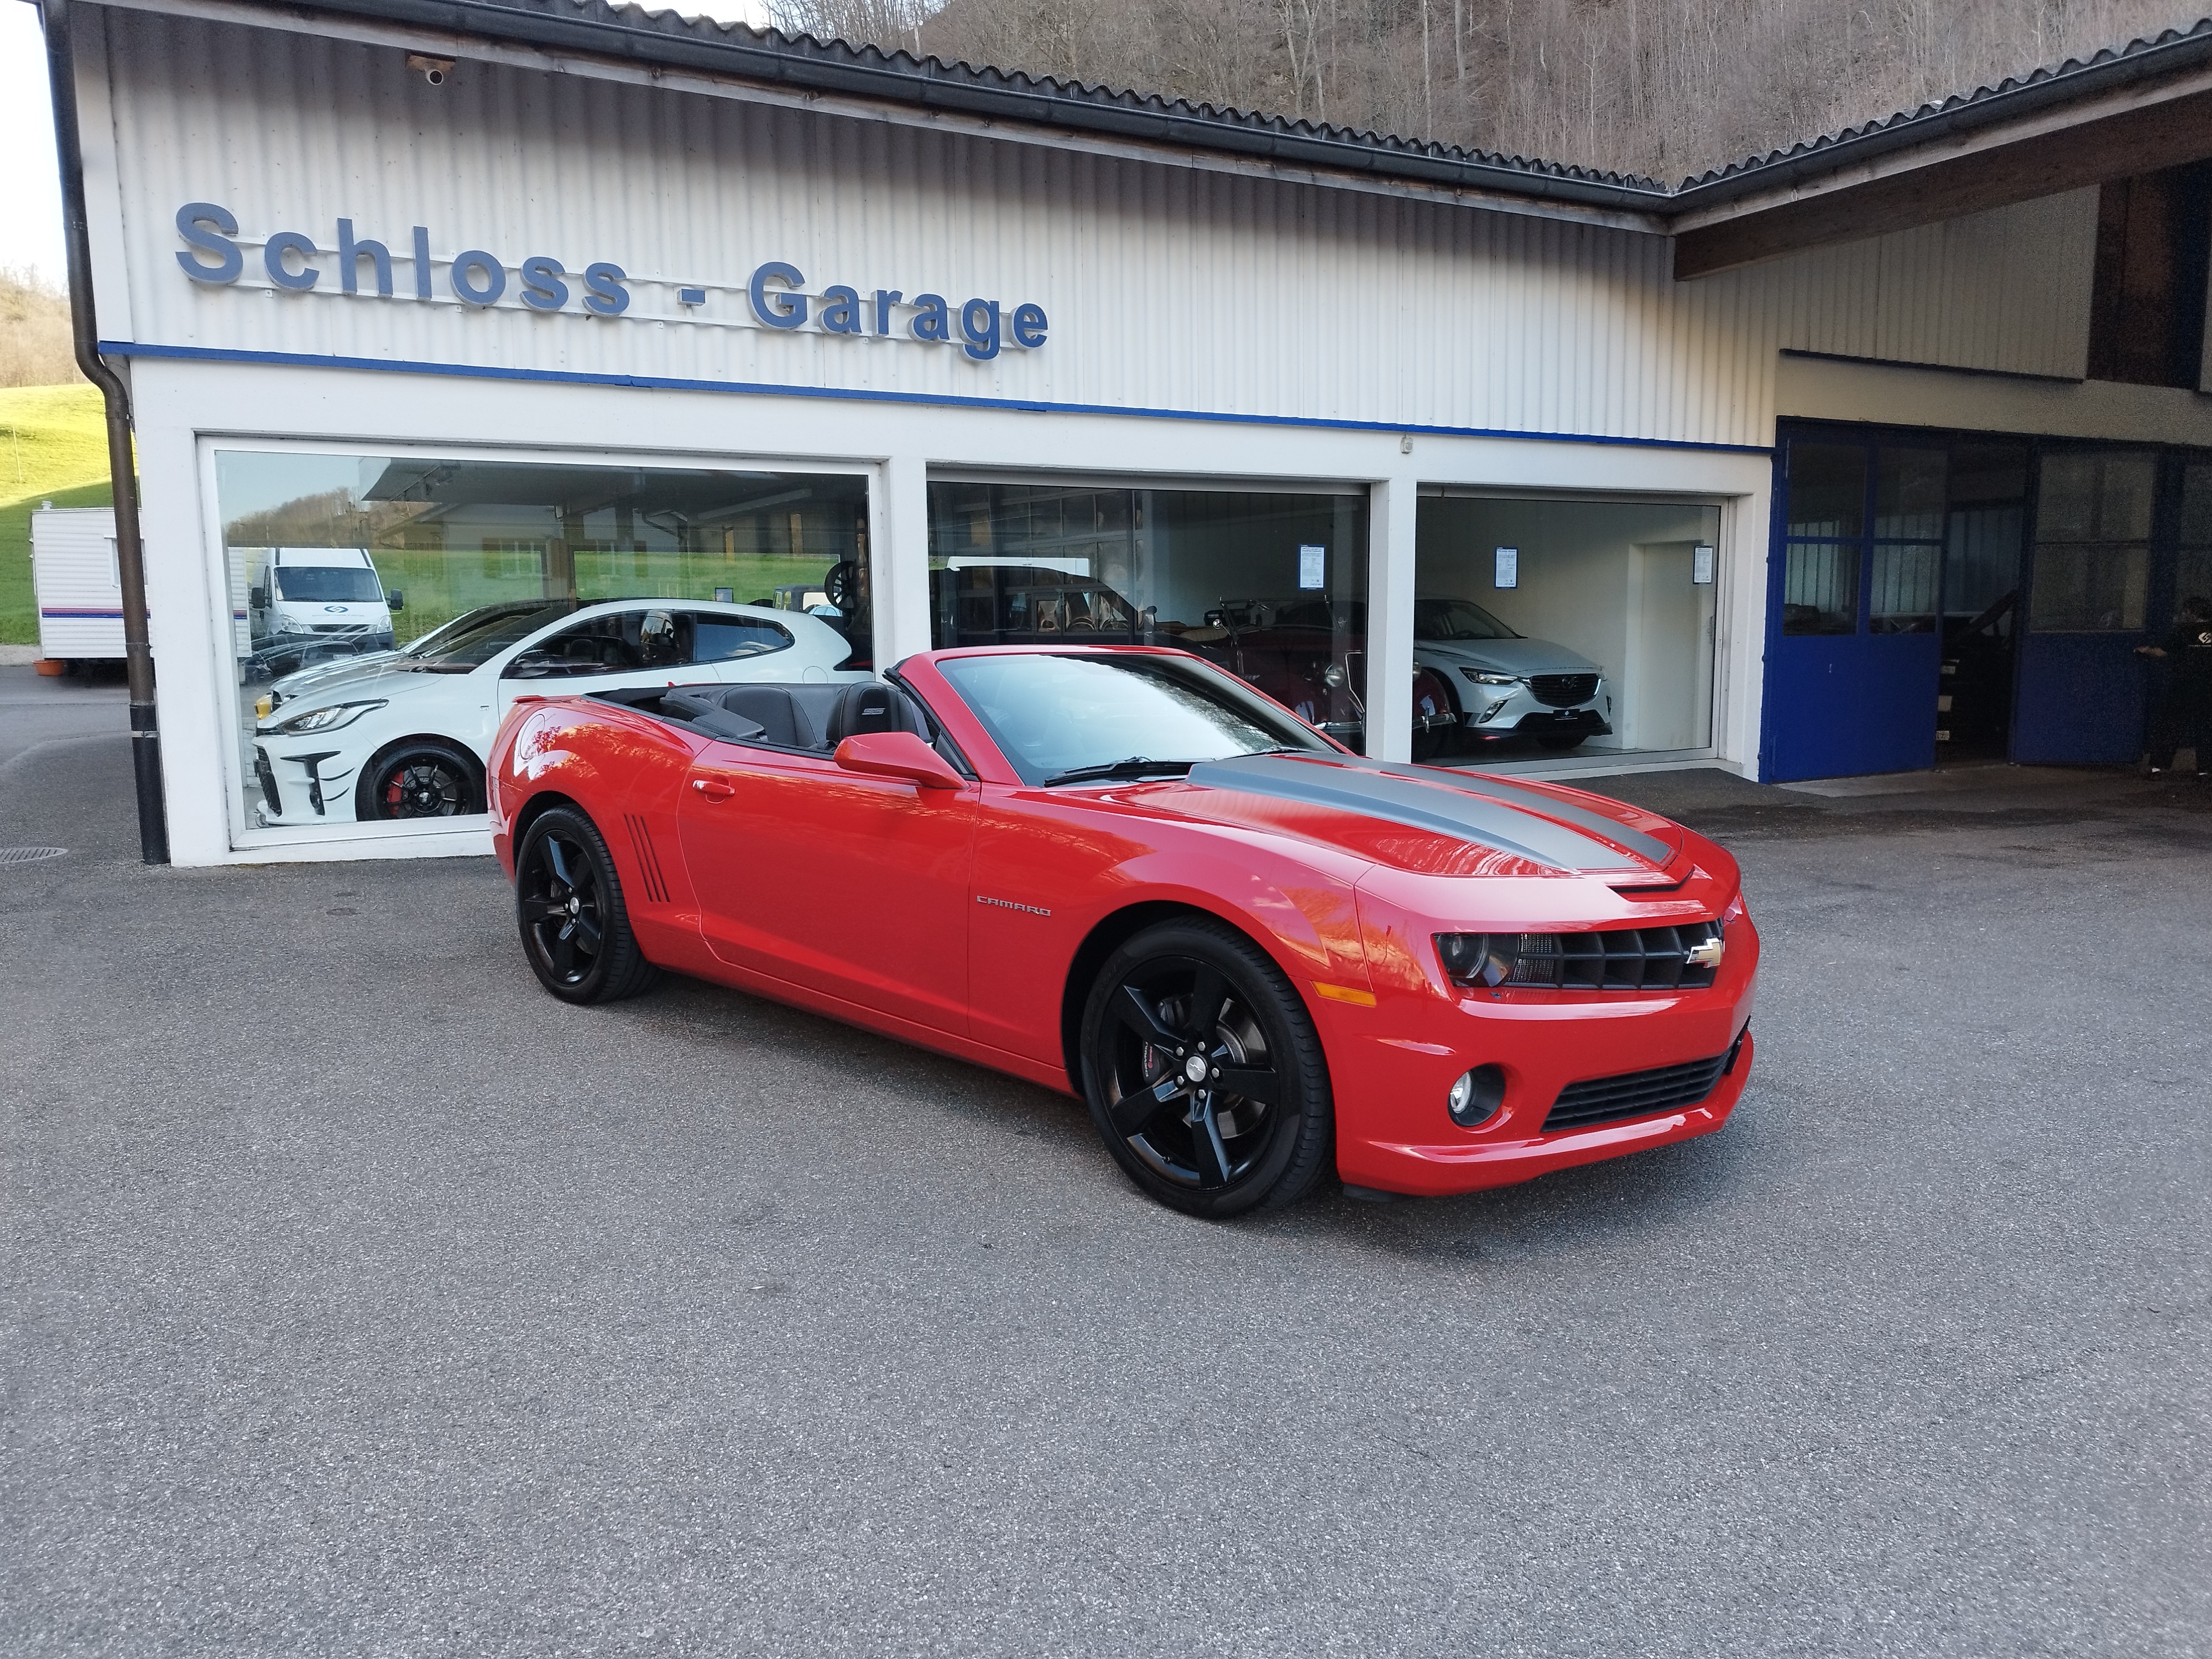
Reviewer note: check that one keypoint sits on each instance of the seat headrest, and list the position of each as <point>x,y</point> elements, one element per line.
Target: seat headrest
<point>870,706</point>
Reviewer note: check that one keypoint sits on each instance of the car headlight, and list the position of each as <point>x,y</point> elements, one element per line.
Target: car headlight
<point>326,718</point>
<point>1485,676</point>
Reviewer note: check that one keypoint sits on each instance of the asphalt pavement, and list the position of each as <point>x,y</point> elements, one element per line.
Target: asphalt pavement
<point>357,1298</point>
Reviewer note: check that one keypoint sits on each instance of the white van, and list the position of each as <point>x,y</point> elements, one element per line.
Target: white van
<point>303,591</point>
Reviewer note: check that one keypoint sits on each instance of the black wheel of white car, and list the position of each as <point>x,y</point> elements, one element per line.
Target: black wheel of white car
<point>1203,1074</point>
<point>420,778</point>
<point>569,902</point>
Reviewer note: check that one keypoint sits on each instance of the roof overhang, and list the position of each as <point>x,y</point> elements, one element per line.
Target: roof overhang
<point>1963,160</point>
<point>2123,112</point>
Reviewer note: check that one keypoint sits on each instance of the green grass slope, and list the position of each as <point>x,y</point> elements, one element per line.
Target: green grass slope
<point>53,447</point>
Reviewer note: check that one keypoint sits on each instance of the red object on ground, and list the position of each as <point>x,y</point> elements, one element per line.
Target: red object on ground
<point>972,919</point>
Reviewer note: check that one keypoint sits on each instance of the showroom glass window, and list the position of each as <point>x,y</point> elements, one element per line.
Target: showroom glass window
<point>1608,607</point>
<point>343,565</point>
<point>1272,586</point>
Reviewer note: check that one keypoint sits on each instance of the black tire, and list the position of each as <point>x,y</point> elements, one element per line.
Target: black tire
<point>1216,1151</point>
<point>568,904</point>
<point>420,778</point>
<point>1427,745</point>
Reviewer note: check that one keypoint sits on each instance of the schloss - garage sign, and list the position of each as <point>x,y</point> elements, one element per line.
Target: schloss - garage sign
<point>776,292</point>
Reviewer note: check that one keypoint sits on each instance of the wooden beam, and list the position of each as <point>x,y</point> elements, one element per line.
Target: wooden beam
<point>2117,147</point>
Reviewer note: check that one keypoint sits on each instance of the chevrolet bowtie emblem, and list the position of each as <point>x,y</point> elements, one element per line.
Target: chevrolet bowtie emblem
<point>1707,953</point>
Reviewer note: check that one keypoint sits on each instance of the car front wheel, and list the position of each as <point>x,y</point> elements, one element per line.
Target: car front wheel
<point>421,778</point>
<point>1203,1074</point>
<point>568,903</point>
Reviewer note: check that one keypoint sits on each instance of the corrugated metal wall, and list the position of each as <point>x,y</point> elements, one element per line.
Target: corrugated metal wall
<point>1166,287</point>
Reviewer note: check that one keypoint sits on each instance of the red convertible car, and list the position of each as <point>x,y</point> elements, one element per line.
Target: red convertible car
<point>1121,871</point>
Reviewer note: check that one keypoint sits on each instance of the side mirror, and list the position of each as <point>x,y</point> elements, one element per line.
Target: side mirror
<point>259,598</point>
<point>395,600</point>
<point>898,754</point>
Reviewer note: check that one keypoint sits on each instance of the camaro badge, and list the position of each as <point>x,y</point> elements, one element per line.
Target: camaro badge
<point>1008,904</point>
<point>1707,953</point>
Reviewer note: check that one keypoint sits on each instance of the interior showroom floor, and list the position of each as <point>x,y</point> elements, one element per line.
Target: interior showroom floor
<point>358,1299</point>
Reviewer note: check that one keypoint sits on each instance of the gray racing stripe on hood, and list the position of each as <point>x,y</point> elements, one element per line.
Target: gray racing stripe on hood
<point>1348,786</point>
<point>1635,841</point>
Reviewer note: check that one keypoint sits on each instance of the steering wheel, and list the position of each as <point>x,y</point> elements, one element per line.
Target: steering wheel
<point>841,586</point>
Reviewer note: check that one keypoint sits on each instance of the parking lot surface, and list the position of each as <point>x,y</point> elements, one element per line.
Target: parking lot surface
<point>357,1297</point>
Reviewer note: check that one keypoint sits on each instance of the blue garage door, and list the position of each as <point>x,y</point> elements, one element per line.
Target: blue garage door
<point>1854,654</point>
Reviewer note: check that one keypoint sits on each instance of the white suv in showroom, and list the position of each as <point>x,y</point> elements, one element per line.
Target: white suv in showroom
<point>405,734</point>
<point>1506,685</point>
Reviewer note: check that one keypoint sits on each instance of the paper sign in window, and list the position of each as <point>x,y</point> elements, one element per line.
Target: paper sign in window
<point>1312,562</point>
<point>1509,567</point>
<point>1701,565</point>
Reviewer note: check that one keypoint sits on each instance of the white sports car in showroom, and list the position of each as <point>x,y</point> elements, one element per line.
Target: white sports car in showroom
<point>1508,685</point>
<point>405,734</point>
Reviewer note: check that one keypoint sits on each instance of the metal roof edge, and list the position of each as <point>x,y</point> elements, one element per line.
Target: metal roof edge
<point>800,65</point>
<point>2172,52</point>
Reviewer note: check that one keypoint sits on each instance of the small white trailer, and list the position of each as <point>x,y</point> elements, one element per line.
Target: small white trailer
<point>78,585</point>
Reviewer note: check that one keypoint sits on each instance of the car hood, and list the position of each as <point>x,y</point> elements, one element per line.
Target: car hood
<point>1427,819</point>
<point>1506,656</point>
<point>312,680</point>
<point>387,677</point>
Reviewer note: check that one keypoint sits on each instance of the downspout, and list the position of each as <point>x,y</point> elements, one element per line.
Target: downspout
<point>129,552</point>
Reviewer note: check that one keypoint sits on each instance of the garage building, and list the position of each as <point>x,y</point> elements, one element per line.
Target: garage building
<point>1886,449</point>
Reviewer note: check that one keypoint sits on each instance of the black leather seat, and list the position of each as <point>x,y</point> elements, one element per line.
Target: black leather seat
<point>818,717</point>
<point>868,706</point>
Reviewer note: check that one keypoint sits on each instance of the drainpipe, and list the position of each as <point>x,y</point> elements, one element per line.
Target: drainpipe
<point>129,552</point>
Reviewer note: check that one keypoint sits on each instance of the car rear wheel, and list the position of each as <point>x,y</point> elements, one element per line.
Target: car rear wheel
<point>569,902</point>
<point>421,778</point>
<point>1203,1074</point>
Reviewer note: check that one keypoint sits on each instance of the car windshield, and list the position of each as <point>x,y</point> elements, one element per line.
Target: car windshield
<point>1060,718</point>
<point>328,584</point>
<point>467,623</point>
<point>1456,619</point>
<point>466,648</point>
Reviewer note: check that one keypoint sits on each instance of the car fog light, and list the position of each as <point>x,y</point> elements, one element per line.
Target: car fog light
<point>1476,1096</point>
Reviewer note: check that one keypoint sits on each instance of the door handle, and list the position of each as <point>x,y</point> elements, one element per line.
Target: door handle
<point>713,788</point>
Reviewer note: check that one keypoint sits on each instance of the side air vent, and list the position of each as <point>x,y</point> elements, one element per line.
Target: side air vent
<point>648,859</point>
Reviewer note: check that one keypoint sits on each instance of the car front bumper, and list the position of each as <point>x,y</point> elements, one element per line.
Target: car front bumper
<point>299,783</point>
<point>1391,1068</point>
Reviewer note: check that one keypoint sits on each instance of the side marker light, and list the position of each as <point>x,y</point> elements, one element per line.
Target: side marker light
<point>1358,999</point>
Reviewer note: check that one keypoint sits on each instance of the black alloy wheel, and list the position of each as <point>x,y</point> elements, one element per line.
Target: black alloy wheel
<point>569,902</point>
<point>422,778</point>
<point>1203,1074</point>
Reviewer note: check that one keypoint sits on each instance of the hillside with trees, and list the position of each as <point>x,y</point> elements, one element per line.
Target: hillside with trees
<point>35,332</point>
<point>1662,87</point>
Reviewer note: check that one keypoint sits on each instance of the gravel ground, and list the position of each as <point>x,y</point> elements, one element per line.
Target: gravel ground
<point>355,1297</point>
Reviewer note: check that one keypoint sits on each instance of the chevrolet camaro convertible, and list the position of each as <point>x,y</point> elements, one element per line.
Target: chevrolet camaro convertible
<point>1120,871</point>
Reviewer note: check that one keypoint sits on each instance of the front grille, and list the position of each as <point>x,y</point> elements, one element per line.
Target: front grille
<point>1638,1094</point>
<point>1617,959</point>
<point>1562,690</point>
